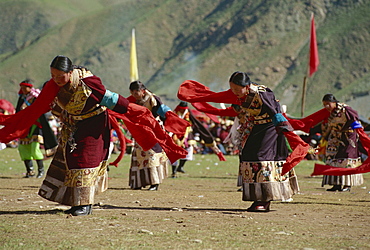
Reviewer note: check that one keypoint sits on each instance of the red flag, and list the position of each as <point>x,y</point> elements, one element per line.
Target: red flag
<point>314,53</point>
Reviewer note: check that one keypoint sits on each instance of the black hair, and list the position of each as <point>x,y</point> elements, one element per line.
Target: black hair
<point>236,107</point>
<point>329,98</point>
<point>240,78</point>
<point>136,85</point>
<point>183,104</point>
<point>28,80</point>
<point>62,63</point>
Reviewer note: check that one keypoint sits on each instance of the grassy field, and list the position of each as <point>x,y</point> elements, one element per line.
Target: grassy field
<point>199,210</point>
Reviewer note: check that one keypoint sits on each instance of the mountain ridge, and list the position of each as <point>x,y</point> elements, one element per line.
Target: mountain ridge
<point>200,40</point>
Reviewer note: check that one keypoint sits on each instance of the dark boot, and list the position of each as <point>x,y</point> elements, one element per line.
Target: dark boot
<point>40,165</point>
<point>181,166</point>
<point>82,210</point>
<point>335,188</point>
<point>153,187</point>
<point>174,168</point>
<point>71,210</point>
<point>252,208</point>
<point>259,206</point>
<point>29,167</point>
<point>263,206</point>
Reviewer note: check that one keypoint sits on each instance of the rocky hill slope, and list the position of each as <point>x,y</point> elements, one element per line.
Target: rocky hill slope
<point>202,40</point>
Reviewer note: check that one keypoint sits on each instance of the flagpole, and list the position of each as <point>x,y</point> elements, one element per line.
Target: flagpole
<point>303,95</point>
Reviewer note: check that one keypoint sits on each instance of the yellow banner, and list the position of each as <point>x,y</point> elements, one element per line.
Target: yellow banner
<point>134,72</point>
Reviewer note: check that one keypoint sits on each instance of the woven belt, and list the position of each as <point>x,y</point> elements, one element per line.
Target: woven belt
<point>343,131</point>
<point>95,112</point>
<point>347,131</point>
<point>262,121</point>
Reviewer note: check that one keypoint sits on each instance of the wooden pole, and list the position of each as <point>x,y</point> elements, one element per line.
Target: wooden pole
<point>303,95</point>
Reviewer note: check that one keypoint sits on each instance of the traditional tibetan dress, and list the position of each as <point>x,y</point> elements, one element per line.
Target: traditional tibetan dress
<point>262,136</point>
<point>78,170</point>
<point>263,151</point>
<point>148,167</point>
<point>342,146</point>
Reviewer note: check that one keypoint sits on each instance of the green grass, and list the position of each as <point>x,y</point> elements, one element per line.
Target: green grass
<point>199,210</point>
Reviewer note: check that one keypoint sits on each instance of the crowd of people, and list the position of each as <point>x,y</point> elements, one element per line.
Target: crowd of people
<point>92,122</point>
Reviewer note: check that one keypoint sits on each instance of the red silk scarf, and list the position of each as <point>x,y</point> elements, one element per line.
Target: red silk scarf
<point>209,109</point>
<point>308,122</point>
<point>195,92</point>
<point>139,121</point>
<point>173,122</point>
<point>17,125</point>
<point>146,130</point>
<point>363,168</point>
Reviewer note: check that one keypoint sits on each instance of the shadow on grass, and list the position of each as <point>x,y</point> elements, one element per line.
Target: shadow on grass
<point>120,189</point>
<point>323,203</point>
<point>22,188</point>
<point>57,211</point>
<point>144,189</point>
<point>12,177</point>
<point>214,177</point>
<point>226,210</point>
<point>221,210</point>
<point>21,212</point>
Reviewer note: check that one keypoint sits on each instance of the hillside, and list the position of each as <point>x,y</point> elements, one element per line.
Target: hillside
<point>202,40</point>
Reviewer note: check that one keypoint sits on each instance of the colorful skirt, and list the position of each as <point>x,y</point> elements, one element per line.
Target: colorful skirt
<point>73,187</point>
<point>147,167</point>
<point>262,181</point>
<point>78,170</point>
<point>344,180</point>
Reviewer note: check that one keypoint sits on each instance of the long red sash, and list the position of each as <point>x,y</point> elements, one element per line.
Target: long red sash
<point>195,92</point>
<point>321,169</point>
<point>139,121</point>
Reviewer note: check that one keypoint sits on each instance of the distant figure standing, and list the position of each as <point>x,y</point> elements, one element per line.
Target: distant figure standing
<point>148,168</point>
<point>29,146</point>
<point>341,146</point>
<point>187,141</point>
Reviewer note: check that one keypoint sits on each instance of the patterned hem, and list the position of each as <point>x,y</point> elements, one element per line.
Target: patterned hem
<point>345,180</point>
<point>142,177</point>
<point>270,191</point>
<point>54,186</point>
